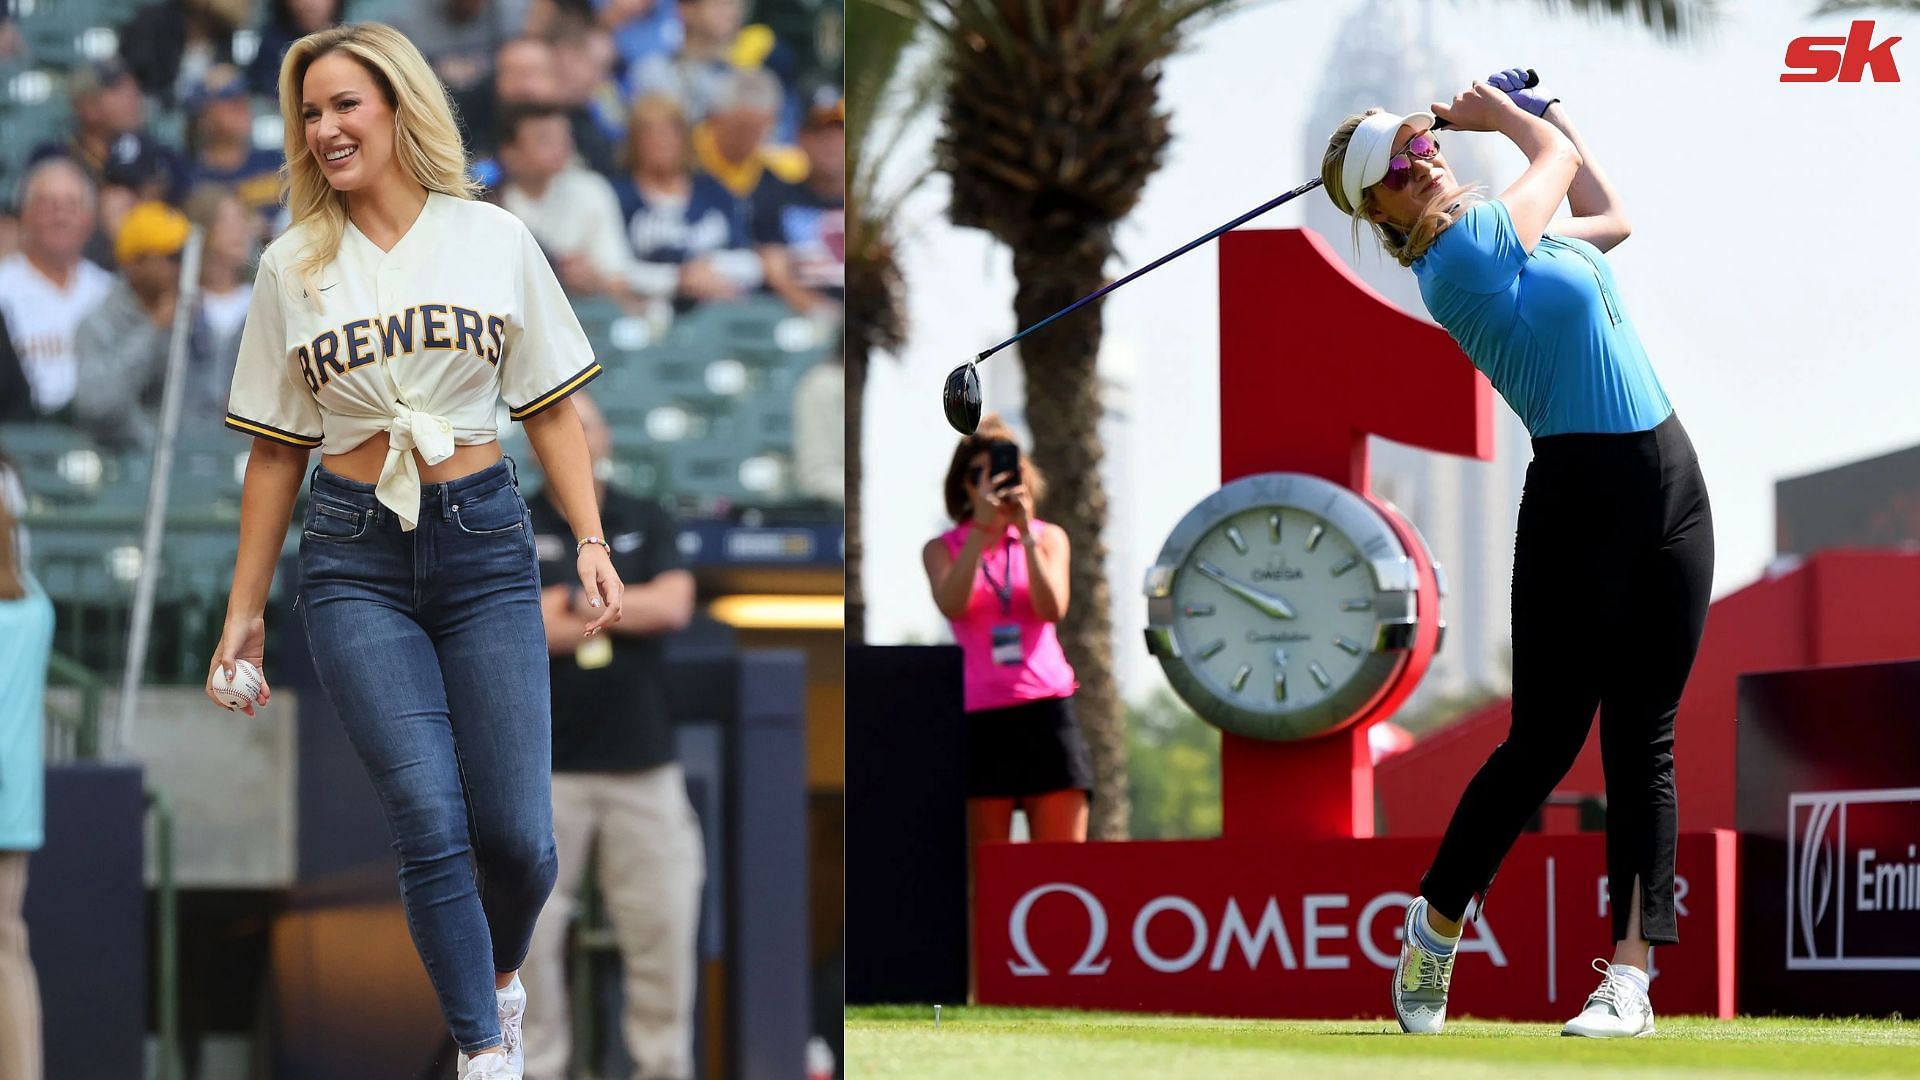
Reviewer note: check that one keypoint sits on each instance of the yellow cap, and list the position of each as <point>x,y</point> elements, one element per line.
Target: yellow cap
<point>151,228</point>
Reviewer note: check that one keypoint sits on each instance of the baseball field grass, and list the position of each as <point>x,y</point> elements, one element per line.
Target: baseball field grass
<point>1018,1044</point>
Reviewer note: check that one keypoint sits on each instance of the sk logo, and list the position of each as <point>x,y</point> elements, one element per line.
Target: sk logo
<point>1833,59</point>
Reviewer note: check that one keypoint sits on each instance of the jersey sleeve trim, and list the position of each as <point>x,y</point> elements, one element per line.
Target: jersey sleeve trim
<point>274,434</point>
<point>557,394</point>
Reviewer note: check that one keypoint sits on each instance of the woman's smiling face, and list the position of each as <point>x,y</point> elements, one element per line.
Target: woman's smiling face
<point>349,124</point>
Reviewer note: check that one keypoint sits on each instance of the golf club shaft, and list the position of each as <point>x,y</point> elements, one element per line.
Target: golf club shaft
<point>1161,261</point>
<point>1533,79</point>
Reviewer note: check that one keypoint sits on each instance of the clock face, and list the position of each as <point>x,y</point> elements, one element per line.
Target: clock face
<point>1281,606</point>
<point>1275,602</point>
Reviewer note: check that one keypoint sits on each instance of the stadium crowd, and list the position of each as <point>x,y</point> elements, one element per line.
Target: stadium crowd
<point>665,153</point>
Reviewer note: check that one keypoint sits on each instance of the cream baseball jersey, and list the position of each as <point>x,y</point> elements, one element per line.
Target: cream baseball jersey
<point>419,342</point>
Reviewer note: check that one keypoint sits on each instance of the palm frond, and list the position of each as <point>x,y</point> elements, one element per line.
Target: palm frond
<point>1062,138</point>
<point>878,35</point>
<point>1675,19</point>
<point>890,86</point>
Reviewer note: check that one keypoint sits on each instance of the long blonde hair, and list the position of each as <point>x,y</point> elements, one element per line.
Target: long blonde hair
<point>1405,247</point>
<point>426,140</point>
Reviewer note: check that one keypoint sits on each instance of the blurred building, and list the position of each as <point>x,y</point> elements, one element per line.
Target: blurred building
<point>1389,54</point>
<point>1869,503</point>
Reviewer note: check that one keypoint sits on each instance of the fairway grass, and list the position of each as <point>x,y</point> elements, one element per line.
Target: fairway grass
<point>981,1042</point>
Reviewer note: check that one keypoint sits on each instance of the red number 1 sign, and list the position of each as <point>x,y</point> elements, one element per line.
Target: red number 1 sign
<point>1312,362</point>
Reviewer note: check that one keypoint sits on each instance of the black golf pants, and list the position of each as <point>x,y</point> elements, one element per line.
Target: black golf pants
<point>1612,571</point>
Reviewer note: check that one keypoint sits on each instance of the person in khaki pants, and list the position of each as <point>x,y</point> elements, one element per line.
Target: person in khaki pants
<point>26,628</point>
<point>618,792</point>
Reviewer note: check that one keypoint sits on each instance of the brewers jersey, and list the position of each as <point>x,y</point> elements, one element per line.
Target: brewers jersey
<point>419,342</point>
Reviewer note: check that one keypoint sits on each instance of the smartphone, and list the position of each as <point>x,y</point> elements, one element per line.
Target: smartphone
<point>1004,457</point>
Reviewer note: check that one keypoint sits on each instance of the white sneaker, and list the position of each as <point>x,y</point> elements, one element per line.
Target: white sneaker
<point>1618,1010</point>
<point>511,1004</point>
<point>491,1067</point>
<point>1420,980</point>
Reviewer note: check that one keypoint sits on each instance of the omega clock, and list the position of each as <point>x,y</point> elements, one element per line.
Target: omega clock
<point>1284,606</point>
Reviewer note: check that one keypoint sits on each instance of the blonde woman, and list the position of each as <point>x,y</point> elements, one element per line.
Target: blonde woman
<point>1613,561</point>
<point>383,327</point>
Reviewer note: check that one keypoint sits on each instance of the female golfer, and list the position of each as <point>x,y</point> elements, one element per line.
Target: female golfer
<point>1614,557</point>
<point>384,326</point>
<point>1000,577</point>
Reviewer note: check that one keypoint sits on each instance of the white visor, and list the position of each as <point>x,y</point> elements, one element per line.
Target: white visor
<point>1373,143</point>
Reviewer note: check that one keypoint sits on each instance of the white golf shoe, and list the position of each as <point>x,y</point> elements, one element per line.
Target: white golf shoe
<point>1619,1009</point>
<point>1420,979</point>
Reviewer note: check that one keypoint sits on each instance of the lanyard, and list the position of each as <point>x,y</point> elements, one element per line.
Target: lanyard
<point>1003,588</point>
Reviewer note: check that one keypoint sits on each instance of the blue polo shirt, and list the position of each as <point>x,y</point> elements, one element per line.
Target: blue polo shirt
<point>1547,328</point>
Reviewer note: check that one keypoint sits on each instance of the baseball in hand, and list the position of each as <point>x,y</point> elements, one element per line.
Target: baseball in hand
<point>242,691</point>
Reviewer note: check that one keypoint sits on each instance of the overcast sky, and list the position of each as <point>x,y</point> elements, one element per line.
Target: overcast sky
<point>1770,272</point>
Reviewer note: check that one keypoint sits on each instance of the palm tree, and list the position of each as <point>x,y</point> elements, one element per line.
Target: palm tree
<point>883,97</point>
<point>1052,126</point>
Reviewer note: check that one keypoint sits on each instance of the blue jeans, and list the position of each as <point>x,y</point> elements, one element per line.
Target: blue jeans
<point>431,648</point>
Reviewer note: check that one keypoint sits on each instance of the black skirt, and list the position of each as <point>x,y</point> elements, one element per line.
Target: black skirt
<point>1027,749</point>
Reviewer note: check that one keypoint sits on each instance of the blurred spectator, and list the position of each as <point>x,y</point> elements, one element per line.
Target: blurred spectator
<point>820,430</point>
<point>731,144</point>
<point>11,45</point>
<point>640,28</point>
<point>16,393</point>
<point>121,347</point>
<point>106,104</point>
<point>9,230</point>
<point>226,284</point>
<point>460,37</point>
<point>618,790</point>
<point>139,169</point>
<point>686,239</point>
<point>287,22</point>
<point>571,211</point>
<point>801,229</point>
<point>26,625</point>
<point>583,63</point>
<point>109,142</point>
<point>171,45</point>
<point>523,74</point>
<point>221,138</point>
<point>1000,577</point>
<point>47,288</point>
<point>716,43</point>
<point>147,167</point>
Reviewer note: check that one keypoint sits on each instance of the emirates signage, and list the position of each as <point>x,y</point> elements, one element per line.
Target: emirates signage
<point>1829,817</point>
<point>1259,928</point>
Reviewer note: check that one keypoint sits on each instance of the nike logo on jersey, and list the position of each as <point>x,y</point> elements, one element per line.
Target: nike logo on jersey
<point>421,328</point>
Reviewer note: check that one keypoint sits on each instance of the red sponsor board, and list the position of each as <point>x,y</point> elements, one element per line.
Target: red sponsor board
<point>1311,929</point>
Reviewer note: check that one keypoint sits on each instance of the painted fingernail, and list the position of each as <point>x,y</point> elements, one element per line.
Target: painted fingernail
<point>595,602</point>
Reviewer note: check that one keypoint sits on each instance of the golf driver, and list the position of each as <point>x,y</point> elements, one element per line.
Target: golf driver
<point>960,398</point>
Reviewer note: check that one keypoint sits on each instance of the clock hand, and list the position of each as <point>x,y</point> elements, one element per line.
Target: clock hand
<point>1272,605</point>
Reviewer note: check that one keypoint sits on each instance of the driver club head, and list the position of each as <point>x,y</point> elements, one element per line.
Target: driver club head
<point>961,398</point>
